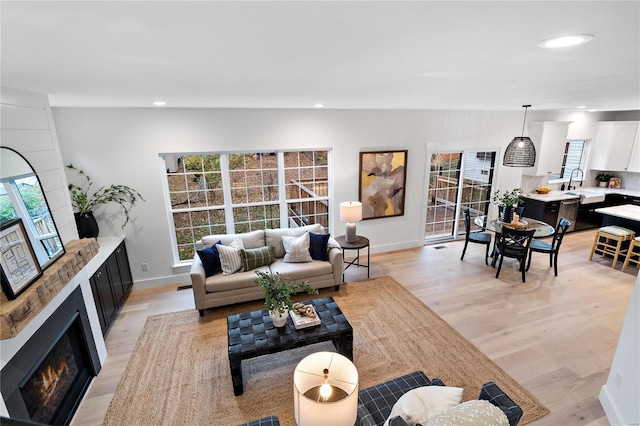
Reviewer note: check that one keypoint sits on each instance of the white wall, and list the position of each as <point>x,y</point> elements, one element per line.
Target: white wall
<point>620,395</point>
<point>121,145</point>
<point>27,127</point>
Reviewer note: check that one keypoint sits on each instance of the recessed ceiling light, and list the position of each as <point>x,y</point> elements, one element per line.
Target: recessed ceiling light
<point>581,107</point>
<point>159,103</point>
<point>319,105</point>
<point>565,41</point>
<point>593,110</point>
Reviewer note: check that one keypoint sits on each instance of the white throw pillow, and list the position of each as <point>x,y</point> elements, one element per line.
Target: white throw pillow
<point>471,413</point>
<point>296,248</point>
<point>231,257</point>
<point>419,404</point>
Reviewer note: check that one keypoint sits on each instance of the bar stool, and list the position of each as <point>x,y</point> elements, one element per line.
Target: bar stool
<point>609,234</point>
<point>630,254</point>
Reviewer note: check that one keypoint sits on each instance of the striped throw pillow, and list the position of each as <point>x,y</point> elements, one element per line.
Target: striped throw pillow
<point>254,258</point>
<point>230,257</point>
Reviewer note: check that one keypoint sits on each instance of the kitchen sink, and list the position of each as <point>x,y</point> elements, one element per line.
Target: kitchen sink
<point>587,197</point>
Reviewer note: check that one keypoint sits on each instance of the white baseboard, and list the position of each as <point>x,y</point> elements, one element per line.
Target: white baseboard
<point>393,247</point>
<point>160,281</point>
<point>610,408</point>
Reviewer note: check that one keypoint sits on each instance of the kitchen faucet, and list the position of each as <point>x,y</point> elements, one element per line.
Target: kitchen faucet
<point>571,177</point>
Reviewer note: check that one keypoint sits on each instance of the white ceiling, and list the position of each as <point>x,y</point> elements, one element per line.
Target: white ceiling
<point>477,55</point>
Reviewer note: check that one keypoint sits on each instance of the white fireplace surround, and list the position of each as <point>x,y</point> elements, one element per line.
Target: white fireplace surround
<point>9,347</point>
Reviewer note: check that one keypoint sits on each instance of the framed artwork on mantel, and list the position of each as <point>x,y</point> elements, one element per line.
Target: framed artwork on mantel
<point>383,176</point>
<point>17,259</point>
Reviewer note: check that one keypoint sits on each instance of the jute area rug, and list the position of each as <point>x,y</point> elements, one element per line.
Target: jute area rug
<point>179,370</point>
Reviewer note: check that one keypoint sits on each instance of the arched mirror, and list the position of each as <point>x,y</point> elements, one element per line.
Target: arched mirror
<point>22,200</point>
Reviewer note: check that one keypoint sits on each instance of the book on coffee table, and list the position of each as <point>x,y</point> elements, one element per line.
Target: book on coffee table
<point>304,321</point>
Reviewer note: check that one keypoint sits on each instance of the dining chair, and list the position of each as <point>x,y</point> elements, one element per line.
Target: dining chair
<point>474,237</point>
<point>519,211</point>
<point>552,248</point>
<point>513,243</point>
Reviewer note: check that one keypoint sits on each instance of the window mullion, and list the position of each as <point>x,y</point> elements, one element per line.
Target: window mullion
<point>21,210</point>
<point>226,193</point>
<point>282,194</point>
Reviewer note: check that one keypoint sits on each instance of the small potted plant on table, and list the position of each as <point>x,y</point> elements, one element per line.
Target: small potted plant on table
<point>603,179</point>
<point>277,294</point>
<point>508,201</point>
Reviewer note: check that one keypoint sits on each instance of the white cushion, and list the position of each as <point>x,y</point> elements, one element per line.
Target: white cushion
<point>296,248</point>
<point>231,256</point>
<point>273,237</point>
<point>618,231</point>
<point>471,413</point>
<point>419,404</point>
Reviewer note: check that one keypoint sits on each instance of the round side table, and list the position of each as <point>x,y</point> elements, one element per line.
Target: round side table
<point>360,243</point>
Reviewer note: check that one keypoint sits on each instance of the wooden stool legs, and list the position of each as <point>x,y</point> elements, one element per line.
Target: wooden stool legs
<point>609,235</point>
<point>631,254</point>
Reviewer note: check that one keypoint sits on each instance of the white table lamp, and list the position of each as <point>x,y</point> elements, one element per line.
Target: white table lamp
<point>350,212</point>
<point>325,390</point>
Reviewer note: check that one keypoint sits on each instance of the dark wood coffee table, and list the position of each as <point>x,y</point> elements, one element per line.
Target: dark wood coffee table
<point>252,334</point>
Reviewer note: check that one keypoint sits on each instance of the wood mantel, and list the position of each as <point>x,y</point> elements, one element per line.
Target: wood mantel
<point>16,314</point>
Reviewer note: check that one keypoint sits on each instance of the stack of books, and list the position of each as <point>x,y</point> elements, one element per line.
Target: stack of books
<point>303,320</point>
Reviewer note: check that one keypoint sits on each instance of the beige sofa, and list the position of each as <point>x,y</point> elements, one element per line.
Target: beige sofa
<point>220,290</point>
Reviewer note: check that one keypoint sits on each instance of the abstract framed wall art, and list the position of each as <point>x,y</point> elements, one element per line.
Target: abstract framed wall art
<point>383,176</point>
<point>19,264</point>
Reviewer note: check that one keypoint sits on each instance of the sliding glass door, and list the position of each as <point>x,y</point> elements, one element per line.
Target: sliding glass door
<point>457,180</point>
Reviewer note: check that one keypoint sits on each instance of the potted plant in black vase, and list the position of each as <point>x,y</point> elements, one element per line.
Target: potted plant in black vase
<point>508,201</point>
<point>277,294</point>
<point>84,202</point>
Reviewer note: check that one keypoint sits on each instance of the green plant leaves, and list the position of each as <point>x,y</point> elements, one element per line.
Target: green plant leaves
<point>278,290</point>
<point>123,195</point>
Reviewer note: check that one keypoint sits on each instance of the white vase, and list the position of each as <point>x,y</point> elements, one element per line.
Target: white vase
<point>603,184</point>
<point>278,319</point>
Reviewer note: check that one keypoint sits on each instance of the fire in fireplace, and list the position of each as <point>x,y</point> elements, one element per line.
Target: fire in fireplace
<point>60,360</point>
<point>52,380</point>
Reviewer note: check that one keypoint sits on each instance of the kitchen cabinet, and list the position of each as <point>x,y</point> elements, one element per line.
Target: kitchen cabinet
<point>546,211</point>
<point>620,199</point>
<point>550,140</point>
<point>616,147</point>
<point>110,285</point>
<point>634,159</point>
<point>588,218</point>
<point>552,211</point>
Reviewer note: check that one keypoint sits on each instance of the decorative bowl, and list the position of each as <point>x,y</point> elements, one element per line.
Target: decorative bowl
<point>520,225</point>
<point>543,190</point>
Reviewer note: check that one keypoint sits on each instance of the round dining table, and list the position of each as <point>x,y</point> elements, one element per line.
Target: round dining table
<point>542,229</point>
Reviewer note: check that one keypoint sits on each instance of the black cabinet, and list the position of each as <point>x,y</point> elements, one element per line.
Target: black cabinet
<point>618,200</point>
<point>123,267</point>
<point>103,295</point>
<point>588,218</point>
<point>546,211</point>
<point>111,285</point>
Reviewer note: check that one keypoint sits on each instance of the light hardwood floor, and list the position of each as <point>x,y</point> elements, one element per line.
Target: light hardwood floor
<point>555,335</point>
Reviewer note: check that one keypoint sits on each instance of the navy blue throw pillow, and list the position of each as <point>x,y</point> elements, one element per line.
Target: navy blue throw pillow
<point>318,246</point>
<point>211,260</point>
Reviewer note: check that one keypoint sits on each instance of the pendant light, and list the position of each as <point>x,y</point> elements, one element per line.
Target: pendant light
<point>521,152</point>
